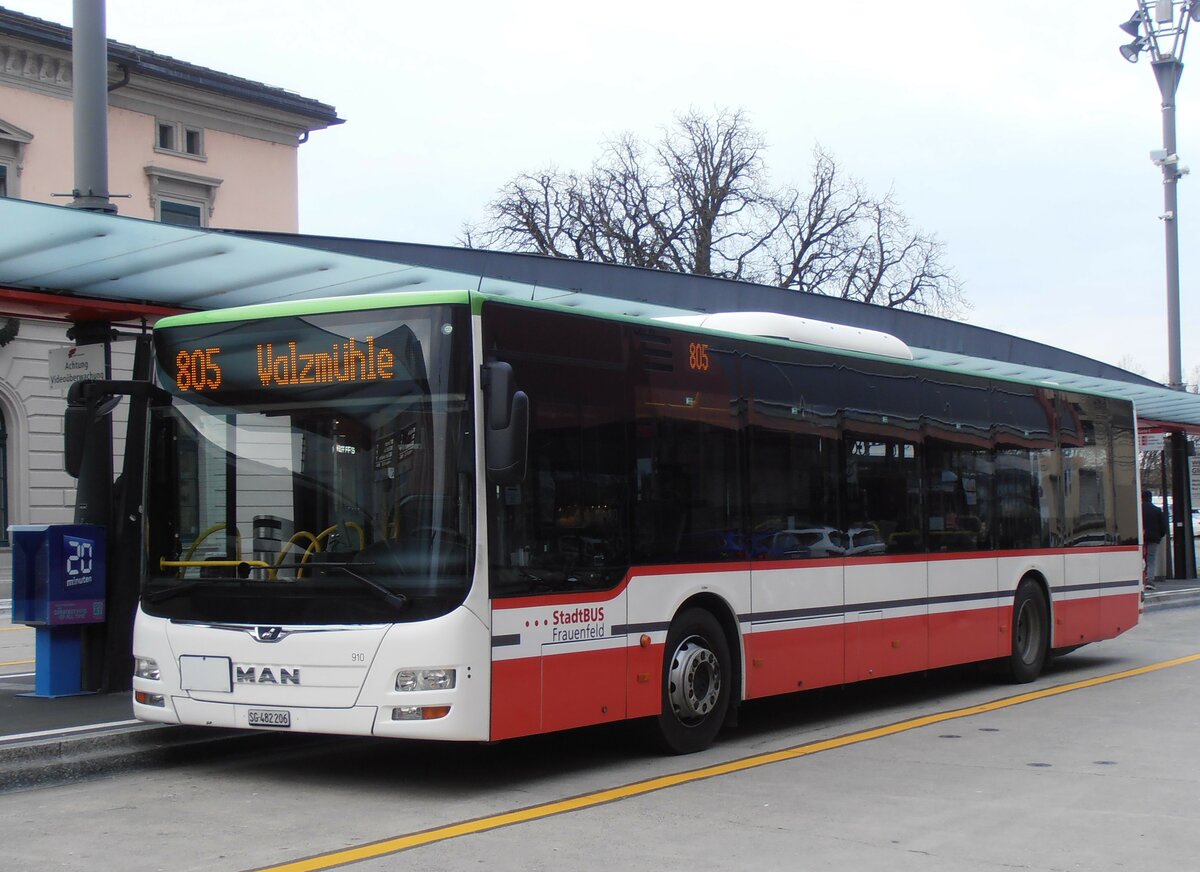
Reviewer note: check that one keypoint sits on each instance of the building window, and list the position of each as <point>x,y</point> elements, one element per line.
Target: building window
<point>178,138</point>
<point>181,198</point>
<point>179,213</point>
<point>193,141</point>
<point>12,153</point>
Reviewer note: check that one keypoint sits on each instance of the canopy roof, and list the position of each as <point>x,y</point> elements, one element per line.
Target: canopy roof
<point>109,267</point>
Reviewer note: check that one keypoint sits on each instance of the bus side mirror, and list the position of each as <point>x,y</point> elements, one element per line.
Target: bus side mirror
<point>507,425</point>
<point>76,422</point>
<point>86,401</point>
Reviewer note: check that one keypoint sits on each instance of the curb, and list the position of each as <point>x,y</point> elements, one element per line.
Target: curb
<point>57,760</point>
<point>1171,599</point>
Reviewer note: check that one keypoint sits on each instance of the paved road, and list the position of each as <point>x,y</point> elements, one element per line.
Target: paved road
<point>1102,777</point>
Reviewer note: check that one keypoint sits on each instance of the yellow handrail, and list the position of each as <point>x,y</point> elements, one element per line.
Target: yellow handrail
<point>164,563</point>
<point>214,528</point>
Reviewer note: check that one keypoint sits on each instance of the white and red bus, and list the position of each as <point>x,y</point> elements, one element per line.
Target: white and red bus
<point>454,516</point>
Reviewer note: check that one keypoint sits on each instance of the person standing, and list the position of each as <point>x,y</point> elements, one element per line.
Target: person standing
<point>1154,527</point>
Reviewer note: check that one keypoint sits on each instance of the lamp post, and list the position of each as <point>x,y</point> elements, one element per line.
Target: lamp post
<point>1160,28</point>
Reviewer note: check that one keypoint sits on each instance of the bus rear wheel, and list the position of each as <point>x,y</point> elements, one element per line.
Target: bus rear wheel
<point>697,683</point>
<point>1030,633</point>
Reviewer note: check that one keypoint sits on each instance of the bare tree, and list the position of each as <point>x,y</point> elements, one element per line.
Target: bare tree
<point>896,266</point>
<point>698,201</point>
<point>817,231</point>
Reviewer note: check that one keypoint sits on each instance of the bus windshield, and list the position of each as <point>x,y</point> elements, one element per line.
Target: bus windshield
<point>312,469</point>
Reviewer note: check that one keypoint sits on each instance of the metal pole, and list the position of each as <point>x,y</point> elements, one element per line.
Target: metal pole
<point>89,61</point>
<point>1167,72</point>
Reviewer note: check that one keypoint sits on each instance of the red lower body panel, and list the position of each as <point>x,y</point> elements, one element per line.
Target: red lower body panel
<point>784,661</point>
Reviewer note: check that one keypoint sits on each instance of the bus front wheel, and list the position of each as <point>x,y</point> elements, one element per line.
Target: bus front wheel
<point>697,682</point>
<point>1030,632</point>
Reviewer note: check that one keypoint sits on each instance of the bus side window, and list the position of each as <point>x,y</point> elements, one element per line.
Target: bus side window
<point>565,525</point>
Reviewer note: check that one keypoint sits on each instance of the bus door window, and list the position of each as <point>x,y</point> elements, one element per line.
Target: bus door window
<point>566,527</point>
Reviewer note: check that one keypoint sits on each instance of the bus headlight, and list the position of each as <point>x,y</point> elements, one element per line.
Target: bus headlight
<point>425,679</point>
<point>146,667</point>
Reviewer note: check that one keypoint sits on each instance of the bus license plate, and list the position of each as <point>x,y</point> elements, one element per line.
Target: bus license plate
<point>269,718</point>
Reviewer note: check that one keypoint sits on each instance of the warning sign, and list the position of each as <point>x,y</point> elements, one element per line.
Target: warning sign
<point>76,363</point>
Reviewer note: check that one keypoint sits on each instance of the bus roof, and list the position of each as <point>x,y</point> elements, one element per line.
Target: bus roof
<point>853,344</point>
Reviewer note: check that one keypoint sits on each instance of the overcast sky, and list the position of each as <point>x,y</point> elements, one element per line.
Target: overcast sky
<point>1020,138</point>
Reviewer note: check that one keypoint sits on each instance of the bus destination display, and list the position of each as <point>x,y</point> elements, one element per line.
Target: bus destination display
<point>200,369</point>
<point>319,356</point>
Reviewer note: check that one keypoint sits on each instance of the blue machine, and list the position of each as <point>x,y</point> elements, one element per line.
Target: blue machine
<point>59,583</point>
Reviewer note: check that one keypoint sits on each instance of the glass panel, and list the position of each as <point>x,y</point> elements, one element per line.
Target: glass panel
<point>567,525</point>
<point>689,498</point>
<point>314,469</point>
<point>179,213</point>
<point>1028,475</point>
<point>883,496</point>
<point>1088,485</point>
<point>794,463</point>
<point>688,506</point>
<point>1124,463</point>
<point>959,480</point>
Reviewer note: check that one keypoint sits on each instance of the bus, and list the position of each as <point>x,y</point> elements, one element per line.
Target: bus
<point>455,516</point>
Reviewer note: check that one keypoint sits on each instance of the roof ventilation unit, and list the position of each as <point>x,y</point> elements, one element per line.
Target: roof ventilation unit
<point>773,325</point>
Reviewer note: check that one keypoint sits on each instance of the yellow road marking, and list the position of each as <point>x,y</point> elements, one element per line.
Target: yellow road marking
<point>640,788</point>
<point>17,663</point>
<point>14,629</point>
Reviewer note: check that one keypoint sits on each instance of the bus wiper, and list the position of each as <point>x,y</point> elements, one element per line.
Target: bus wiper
<point>397,600</point>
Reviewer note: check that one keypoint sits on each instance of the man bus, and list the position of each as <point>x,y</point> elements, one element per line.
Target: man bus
<point>446,515</point>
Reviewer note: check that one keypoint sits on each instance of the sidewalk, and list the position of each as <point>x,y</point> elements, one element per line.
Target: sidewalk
<point>1172,593</point>
<point>43,741</point>
<point>46,741</point>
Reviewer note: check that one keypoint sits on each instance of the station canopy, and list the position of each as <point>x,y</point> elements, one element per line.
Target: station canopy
<point>88,265</point>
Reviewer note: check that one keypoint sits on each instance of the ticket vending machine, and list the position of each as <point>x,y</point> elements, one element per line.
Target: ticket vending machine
<point>58,586</point>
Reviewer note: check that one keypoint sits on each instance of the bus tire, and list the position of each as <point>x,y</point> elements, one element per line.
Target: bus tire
<point>1030,633</point>
<point>697,682</point>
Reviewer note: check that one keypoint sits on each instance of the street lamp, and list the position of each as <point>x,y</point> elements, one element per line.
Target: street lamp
<point>1160,27</point>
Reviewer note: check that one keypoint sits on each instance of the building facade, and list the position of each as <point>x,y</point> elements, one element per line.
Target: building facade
<point>187,145</point>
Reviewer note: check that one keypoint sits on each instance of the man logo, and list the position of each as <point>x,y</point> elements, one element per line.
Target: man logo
<point>266,675</point>
<point>269,634</point>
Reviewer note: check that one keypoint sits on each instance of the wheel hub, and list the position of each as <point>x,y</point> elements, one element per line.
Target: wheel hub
<point>695,680</point>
